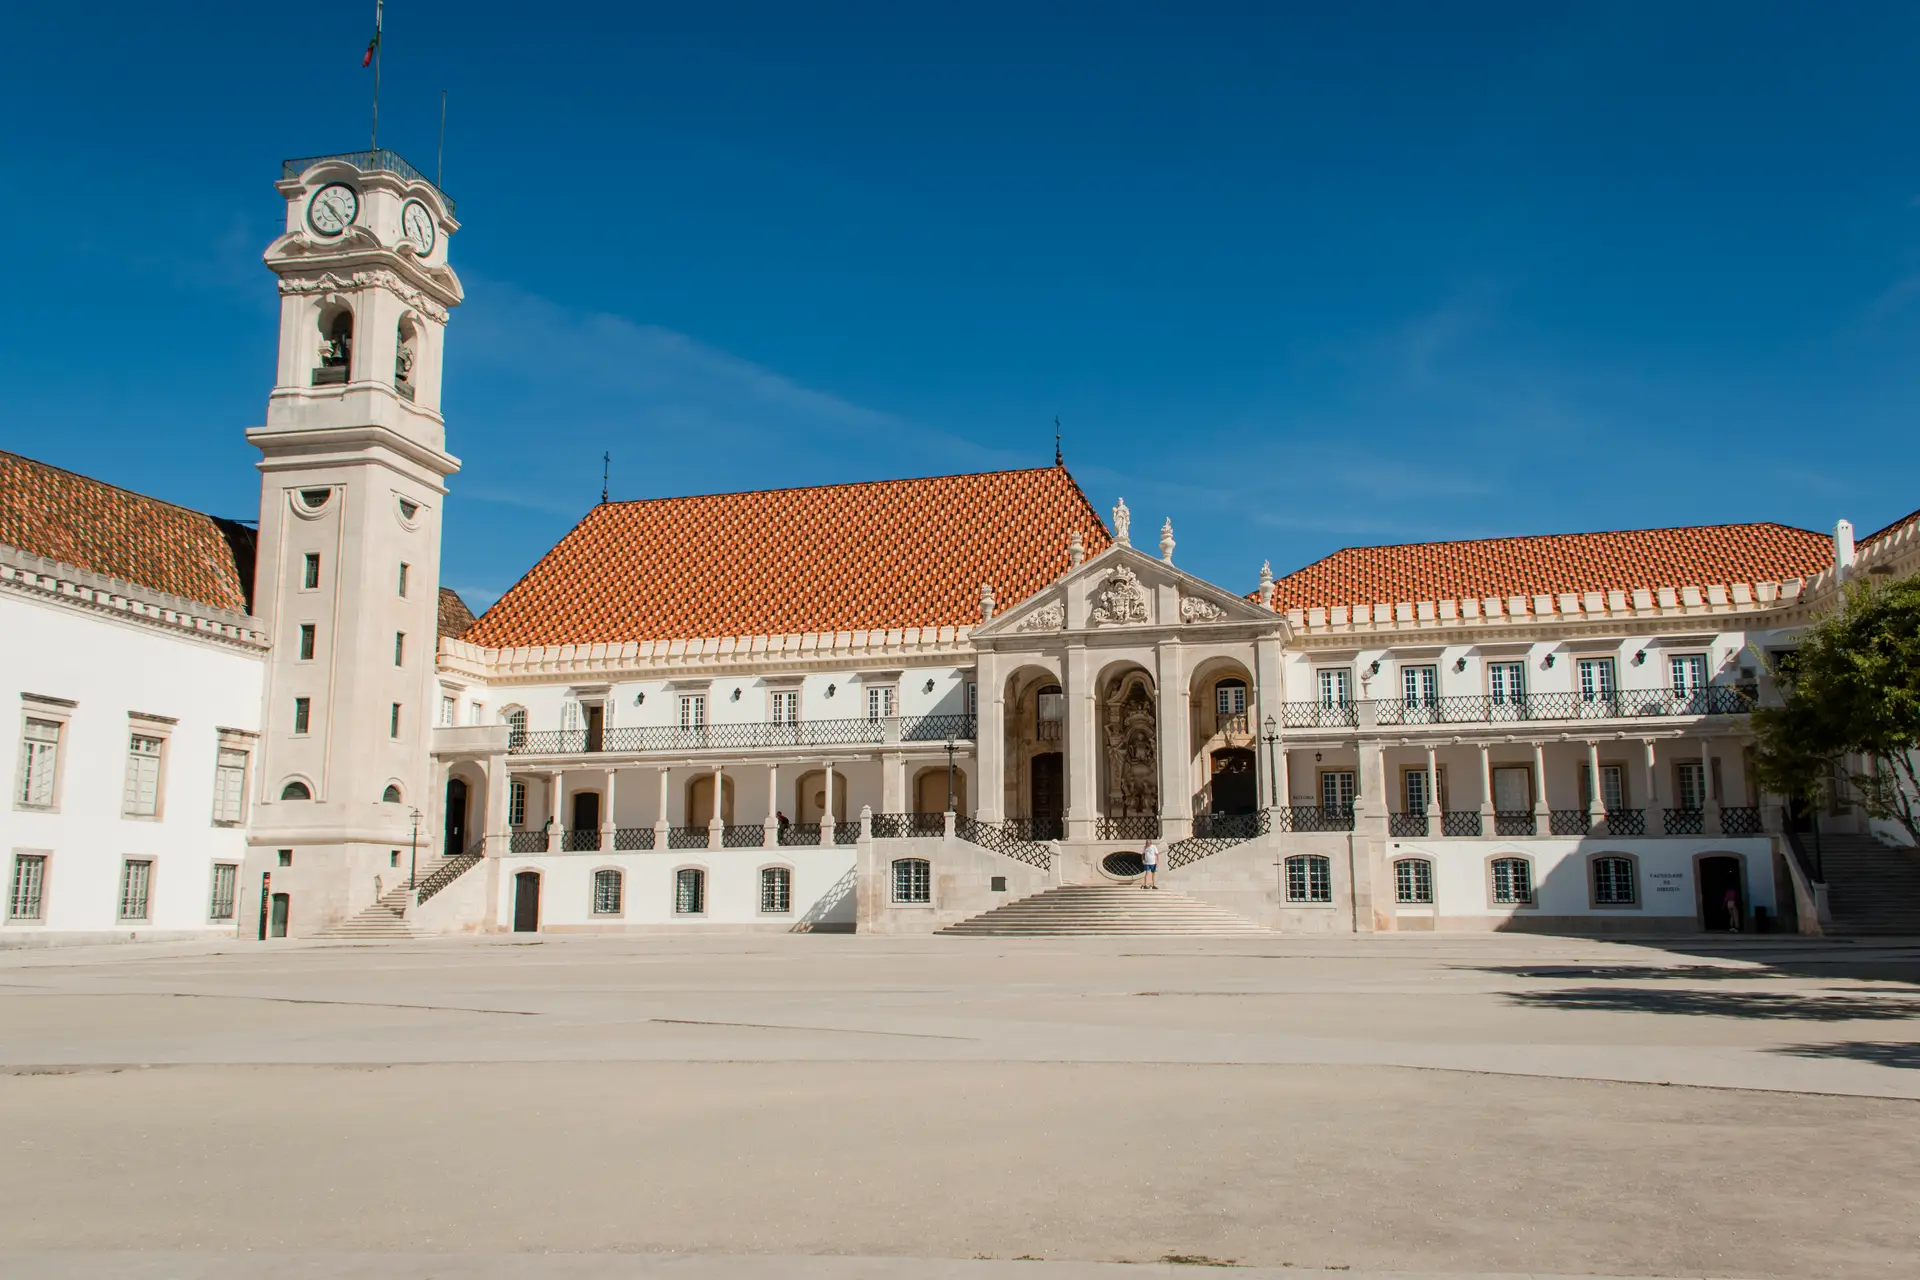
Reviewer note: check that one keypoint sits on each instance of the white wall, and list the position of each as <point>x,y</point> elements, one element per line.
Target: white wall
<point>110,668</point>
<point>822,894</point>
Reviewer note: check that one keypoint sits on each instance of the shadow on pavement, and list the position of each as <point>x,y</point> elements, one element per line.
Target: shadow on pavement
<point>1771,1006</point>
<point>1884,1053</point>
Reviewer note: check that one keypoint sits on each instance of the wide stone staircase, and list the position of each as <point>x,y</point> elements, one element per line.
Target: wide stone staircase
<point>1871,888</point>
<point>1103,910</point>
<point>386,918</point>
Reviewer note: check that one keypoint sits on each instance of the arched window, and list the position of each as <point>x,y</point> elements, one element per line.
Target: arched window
<point>1613,882</point>
<point>391,795</point>
<point>404,348</point>
<point>912,880</point>
<point>1309,878</point>
<point>295,790</point>
<point>336,349</point>
<point>606,892</point>
<point>689,892</point>
<point>515,718</point>
<point>1513,882</point>
<point>776,891</point>
<point>1413,881</point>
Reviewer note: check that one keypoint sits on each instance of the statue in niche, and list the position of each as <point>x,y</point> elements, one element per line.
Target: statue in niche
<point>1133,773</point>
<point>403,362</point>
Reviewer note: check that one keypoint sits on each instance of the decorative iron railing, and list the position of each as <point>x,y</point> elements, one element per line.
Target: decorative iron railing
<point>450,870</point>
<point>1626,822</point>
<point>1226,830</point>
<point>1003,837</point>
<point>1319,715</point>
<point>587,841</point>
<point>628,839</point>
<point>908,826</point>
<point>526,842</point>
<point>686,837</point>
<point>1740,820</point>
<point>1569,822</point>
<point>846,833</point>
<point>1620,704</point>
<point>1513,822</point>
<point>732,737</point>
<point>1686,822</point>
<point>1406,824</point>
<point>383,160</point>
<point>1460,822</point>
<point>1230,826</point>
<point>743,837</point>
<point>1312,818</point>
<point>1127,826</point>
<point>797,835</point>
<point>1035,829</point>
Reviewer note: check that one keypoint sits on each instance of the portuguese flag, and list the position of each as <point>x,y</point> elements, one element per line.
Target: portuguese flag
<point>372,44</point>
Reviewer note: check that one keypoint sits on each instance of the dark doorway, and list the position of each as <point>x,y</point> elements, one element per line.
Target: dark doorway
<point>266,901</point>
<point>586,811</point>
<point>1049,798</point>
<point>1236,787</point>
<point>596,725</point>
<point>456,816</point>
<point>1717,875</point>
<point>526,902</point>
<point>277,926</point>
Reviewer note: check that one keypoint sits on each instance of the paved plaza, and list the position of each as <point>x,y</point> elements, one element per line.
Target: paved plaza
<point>846,1107</point>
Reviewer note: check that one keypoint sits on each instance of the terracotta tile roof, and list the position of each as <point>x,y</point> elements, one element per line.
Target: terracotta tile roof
<point>889,553</point>
<point>107,530</point>
<point>1697,556</point>
<point>1878,534</point>
<point>455,617</point>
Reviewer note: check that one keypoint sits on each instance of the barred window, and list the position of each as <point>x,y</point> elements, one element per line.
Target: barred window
<point>29,880</point>
<point>689,891</point>
<point>606,893</point>
<point>776,890</point>
<point>912,880</point>
<point>226,877</point>
<point>143,777</point>
<point>229,785</point>
<point>40,757</point>
<point>517,803</point>
<point>1413,881</point>
<point>1513,881</point>
<point>1309,878</point>
<point>136,879</point>
<point>1613,882</point>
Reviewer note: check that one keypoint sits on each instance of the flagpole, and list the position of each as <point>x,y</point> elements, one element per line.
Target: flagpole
<point>440,158</point>
<point>379,14</point>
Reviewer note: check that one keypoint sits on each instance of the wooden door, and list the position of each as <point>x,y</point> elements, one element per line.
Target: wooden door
<point>1236,788</point>
<point>526,902</point>
<point>456,832</point>
<point>282,908</point>
<point>1049,794</point>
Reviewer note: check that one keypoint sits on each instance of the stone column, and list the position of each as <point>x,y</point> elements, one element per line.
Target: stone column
<point>893,784</point>
<point>1596,796</point>
<point>826,814</point>
<point>1083,743</point>
<point>608,823</point>
<point>1708,800</point>
<point>1282,778</point>
<point>1487,819</point>
<point>1369,829</point>
<point>1176,743</point>
<point>1654,801</point>
<point>716,821</point>
<point>990,740</point>
<point>1433,790</point>
<point>1268,699</point>
<point>660,819</point>
<point>770,825</point>
<point>1542,813</point>
<point>553,812</point>
<point>499,802</point>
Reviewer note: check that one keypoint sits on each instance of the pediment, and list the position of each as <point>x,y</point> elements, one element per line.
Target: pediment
<point>1121,588</point>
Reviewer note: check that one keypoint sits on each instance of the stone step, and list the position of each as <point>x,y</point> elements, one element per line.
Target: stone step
<point>1111,910</point>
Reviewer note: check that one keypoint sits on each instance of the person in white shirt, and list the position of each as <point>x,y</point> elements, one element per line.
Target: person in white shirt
<point>1151,857</point>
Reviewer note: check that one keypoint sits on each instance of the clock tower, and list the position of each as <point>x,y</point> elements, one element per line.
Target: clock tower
<point>353,469</point>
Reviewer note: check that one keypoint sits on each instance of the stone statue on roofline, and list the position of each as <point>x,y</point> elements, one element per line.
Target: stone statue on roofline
<point>1121,519</point>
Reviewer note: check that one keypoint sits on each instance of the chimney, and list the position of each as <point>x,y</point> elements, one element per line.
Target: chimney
<point>1843,549</point>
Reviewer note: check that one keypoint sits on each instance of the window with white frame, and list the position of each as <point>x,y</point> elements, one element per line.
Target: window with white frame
<point>1413,882</point>
<point>1336,790</point>
<point>1420,686</point>
<point>689,892</point>
<point>1418,790</point>
<point>1688,671</point>
<point>226,879</point>
<point>1050,712</point>
<point>1309,878</point>
<point>516,804</point>
<point>1613,884</point>
<point>1596,679</point>
<point>776,891</point>
<point>880,701</point>
<point>912,880</point>
<point>784,706</point>
<point>1506,683</point>
<point>1613,787</point>
<point>1336,686</point>
<point>449,708</point>
<point>516,720</point>
<point>476,713</point>
<point>25,894</point>
<point>1230,698</point>
<point>39,763</point>
<point>1692,790</point>
<point>693,711</point>
<point>229,785</point>
<point>606,893</point>
<point>136,883</point>
<point>973,700</point>
<point>143,777</point>
<point>1513,882</point>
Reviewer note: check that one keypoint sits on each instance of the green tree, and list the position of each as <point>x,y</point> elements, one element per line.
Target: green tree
<point>1852,706</point>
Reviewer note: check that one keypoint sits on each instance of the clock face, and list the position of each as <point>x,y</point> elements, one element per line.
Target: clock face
<point>333,209</point>
<point>416,224</point>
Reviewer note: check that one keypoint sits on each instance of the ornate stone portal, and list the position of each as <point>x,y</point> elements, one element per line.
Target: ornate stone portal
<point>1132,736</point>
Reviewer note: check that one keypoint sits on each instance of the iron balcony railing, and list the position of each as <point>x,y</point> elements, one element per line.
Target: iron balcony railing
<point>743,837</point>
<point>1007,838</point>
<point>686,837</point>
<point>1460,822</point>
<point>1127,826</point>
<point>1035,828</point>
<point>1686,822</point>
<point>908,826</point>
<point>1406,824</point>
<point>1319,715</point>
<point>526,842</point>
<point>1740,820</point>
<point>806,835</point>
<point>629,839</point>
<point>1569,822</point>
<point>1312,818</point>
<point>1513,822</point>
<point>1626,822</point>
<point>846,832</point>
<point>1229,826</point>
<point>752,734</point>
<point>382,160</point>
<point>1715,700</point>
<point>450,870</point>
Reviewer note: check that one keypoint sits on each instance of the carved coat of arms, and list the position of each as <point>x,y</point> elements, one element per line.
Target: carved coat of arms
<point>1121,598</point>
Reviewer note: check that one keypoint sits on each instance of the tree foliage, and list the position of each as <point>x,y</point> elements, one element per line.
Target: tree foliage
<point>1852,706</point>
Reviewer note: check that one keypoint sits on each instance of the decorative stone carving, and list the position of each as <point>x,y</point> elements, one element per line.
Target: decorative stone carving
<point>1266,583</point>
<point>1048,617</point>
<point>403,362</point>
<point>1076,550</point>
<point>1121,598</point>
<point>1121,519</point>
<point>388,280</point>
<point>986,602</point>
<point>1166,540</point>
<point>1132,751</point>
<point>1194,609</point>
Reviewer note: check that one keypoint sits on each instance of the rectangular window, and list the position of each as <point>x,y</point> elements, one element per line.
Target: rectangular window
<point>302,714</point>
<point>285,857</point>
<point>1413,881</point>
<point>310,574</point>
<point>1691,790</point>
<point>1417,791</point>
<point>517,804</point>
<point>1613,788</point>
<point>476,713</point>
<point>229,785</point>
<point>1506,682</point>
<point>39,761</point>
<point>393,721</point>
<point>606,893</point>
<point>136,880</point>
<point>1336,790</point>
<point>1512,789</point>
<point>913,880</point>
<point>404,566</point>
<point>1613,884</point>
<point>306,641</point>
<point>1336,686</point>
<point>880,702</point>
<point>143,777</point>
<point>24,901</point>
<point>1230,699</point>
<point>448,707</point>
<point>786,706</point>
<point>1689,674</point>
<point>1309,879</point>
<point>1512,882</point>
<point>689,892</point>
<point>1420,686</point>
<point>399,648</point>
<point>693,711</point>
<point>1596,679</point>
<point>226,877</point>
<point>776,890</point>
<point>973,700</point>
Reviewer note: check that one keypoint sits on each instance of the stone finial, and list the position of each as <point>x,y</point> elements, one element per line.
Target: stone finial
<point>1121,519</point>
<point>986,602</point>
<point>1076,549</point>
<point>1266,583</point>
<point>1166,540</point>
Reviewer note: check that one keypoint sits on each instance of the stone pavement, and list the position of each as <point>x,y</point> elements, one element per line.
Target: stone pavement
<point>1457,1105</point>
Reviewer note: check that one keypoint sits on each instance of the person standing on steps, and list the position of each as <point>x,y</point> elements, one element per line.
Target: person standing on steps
<point>1150,858</point>
<point>1732,901</point>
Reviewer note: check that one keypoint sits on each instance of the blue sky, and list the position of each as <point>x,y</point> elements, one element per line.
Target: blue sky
<point>1297,276</point>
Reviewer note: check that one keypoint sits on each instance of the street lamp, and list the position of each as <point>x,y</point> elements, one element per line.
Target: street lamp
<point>949,773</point>
<point>1273,775</point>
<point>413,860</point>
